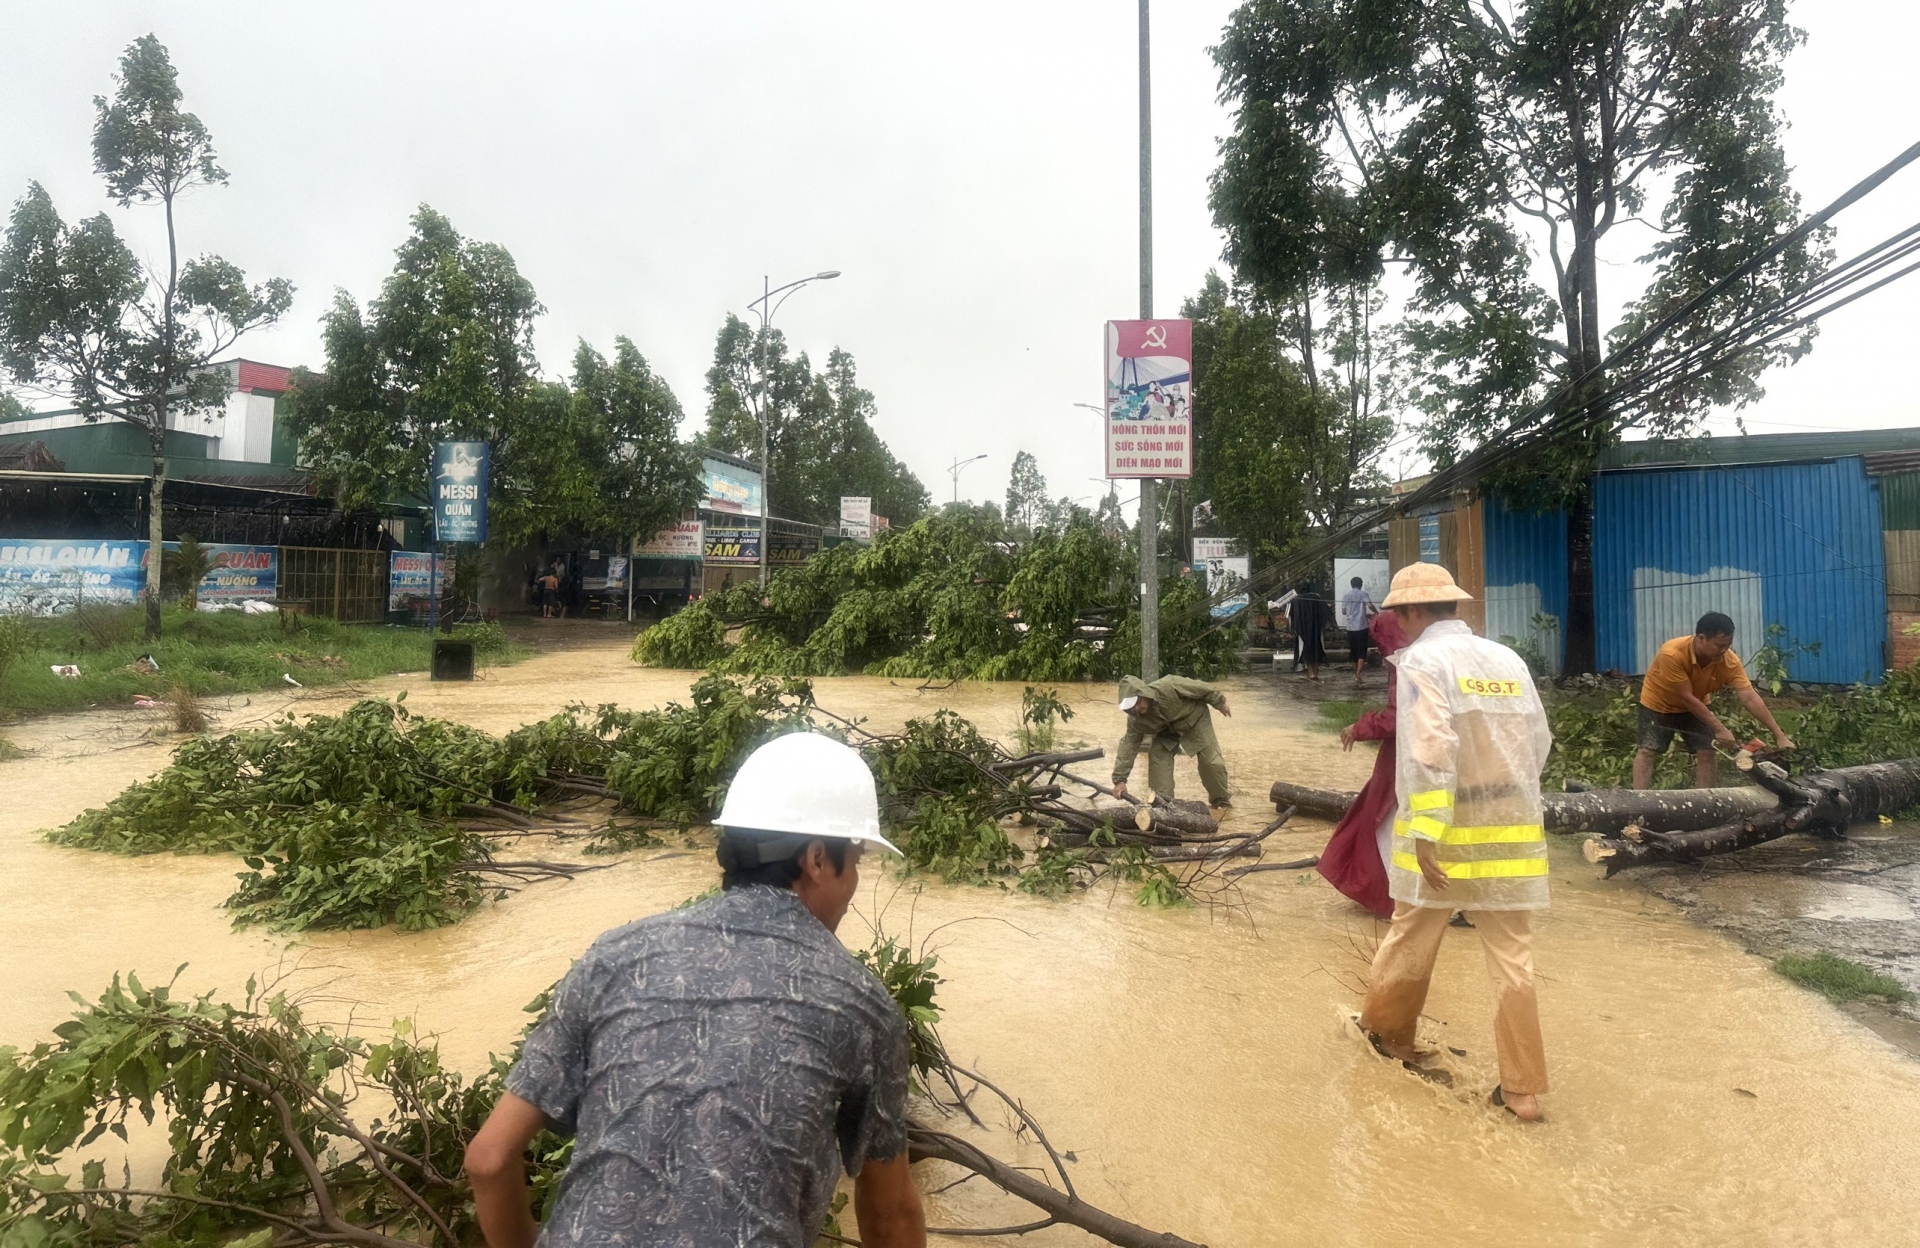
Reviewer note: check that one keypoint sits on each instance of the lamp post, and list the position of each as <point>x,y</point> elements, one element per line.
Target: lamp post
<point>767,308</point>
<point>959,466</point>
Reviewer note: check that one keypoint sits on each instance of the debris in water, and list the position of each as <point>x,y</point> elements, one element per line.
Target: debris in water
<point>1749,1095</point>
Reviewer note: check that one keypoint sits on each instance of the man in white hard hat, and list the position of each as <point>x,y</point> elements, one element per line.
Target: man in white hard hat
<point>1170,715</point>
<point>718,1066</point>
<point>1467,834</point>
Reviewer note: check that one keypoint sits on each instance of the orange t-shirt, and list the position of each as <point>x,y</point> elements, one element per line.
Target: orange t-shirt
<point>1673,669</point>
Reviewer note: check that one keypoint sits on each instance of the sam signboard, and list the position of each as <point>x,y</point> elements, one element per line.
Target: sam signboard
<point>460,491</point>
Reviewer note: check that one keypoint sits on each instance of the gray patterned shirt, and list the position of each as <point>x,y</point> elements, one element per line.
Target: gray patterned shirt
<point>717,1066</point>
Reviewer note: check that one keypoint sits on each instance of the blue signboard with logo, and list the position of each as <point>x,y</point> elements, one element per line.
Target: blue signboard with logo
<point>460,491</point>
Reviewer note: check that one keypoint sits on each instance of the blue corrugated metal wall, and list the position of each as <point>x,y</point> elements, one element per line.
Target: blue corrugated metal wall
<point>1793,544</point>
<point>1526,575</point>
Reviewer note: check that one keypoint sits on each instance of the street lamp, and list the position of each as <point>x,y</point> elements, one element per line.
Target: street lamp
<point>957,467</point>
<point>767,308</point>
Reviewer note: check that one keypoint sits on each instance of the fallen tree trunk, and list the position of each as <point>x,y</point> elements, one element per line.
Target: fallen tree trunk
<point>1060,1207</point>
<point>1822,803</point>
<point>1591,810</point>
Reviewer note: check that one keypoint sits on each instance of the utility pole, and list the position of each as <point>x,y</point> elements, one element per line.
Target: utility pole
<point>766,463</point>
<point>1149,511</point>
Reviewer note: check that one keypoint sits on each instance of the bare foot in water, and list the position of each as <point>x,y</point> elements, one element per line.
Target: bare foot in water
<point>1522,1105</point>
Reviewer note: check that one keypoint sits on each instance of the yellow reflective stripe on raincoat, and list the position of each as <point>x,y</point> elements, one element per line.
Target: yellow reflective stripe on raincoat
<point>1491,868</point>
<point>1491,835</point>
<point>1434,799</point>
<point>1425,825</point>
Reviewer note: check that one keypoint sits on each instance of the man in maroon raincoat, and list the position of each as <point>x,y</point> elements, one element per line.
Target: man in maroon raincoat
<point>1352,861</point>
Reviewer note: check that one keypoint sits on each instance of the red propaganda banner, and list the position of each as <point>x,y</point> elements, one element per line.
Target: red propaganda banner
<point>1149,385</point>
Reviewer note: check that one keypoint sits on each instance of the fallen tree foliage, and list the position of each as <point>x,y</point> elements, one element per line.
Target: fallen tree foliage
<point>378,816</point>
<point>268,1144</point>
<point>955,596</point>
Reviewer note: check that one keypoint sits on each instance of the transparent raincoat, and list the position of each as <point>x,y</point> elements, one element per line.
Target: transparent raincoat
<point>1473,739</point>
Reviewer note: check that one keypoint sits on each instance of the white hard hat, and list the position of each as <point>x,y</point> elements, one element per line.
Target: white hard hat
<point>807,785</point>
<point>1127,703</point>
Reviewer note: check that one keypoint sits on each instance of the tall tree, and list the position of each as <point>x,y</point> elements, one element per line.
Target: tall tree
<point>1278,455</point>
<point>446,352</point>
<point>820,436</point>
<point>1462,141</point>
<point>81,317</point>
<point>1027,503</point>
<point>626,420</point>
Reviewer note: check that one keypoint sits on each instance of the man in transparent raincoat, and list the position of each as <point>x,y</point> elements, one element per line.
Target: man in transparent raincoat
<point>1467,834</point>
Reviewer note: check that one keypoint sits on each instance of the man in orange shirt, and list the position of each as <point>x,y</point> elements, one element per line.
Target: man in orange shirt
<point>1673,699</point>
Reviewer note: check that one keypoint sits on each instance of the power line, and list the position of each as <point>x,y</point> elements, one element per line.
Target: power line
<point>1559,415</point>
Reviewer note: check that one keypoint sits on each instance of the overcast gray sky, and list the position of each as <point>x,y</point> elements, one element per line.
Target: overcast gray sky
<point>969,169</point>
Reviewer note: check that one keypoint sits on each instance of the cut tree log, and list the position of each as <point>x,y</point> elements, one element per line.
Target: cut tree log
<point>1822,803</point>
<point>1178,818</point>
<point>1592,810</point>
<point>1058,1206</point>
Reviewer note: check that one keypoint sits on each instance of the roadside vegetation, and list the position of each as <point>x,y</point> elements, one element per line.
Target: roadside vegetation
<point>207,653</point>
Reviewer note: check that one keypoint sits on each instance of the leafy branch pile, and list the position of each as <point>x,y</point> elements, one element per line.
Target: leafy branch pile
<point>951,597</point>
<point>263,1146</point>
<point>267,1145</point>
<point>379,816</point>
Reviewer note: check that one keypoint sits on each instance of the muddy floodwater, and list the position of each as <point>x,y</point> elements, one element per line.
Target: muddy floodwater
<point>1197,1064</point>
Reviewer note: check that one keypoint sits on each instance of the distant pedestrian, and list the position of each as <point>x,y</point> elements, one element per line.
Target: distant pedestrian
<point>1673,701</point>
<point>1356,608</point>
<point>549,594</point>
<point>1310,616</point>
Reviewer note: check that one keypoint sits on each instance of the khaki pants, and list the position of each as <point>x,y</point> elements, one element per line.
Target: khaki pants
<point>1213,768</point>
<point>1403,967</point>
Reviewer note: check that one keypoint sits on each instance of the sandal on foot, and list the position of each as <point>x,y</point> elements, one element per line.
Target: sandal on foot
<point>1432,1074</point>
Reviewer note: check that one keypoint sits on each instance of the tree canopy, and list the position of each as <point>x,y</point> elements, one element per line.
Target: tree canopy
<point>82,317</point>
<point>1277,454</point>
<point>1465,143</point>
<point>445,352</point>
<point>820,436</point>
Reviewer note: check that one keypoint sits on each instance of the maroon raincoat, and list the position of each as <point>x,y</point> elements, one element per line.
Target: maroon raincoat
<point>1351,860</point>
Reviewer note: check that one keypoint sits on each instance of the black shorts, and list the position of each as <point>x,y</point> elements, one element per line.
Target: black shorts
<point>1358,641</point>
<point>1657,729</point>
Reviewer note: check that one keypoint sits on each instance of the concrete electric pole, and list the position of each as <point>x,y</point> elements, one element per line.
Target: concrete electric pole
<point>1149,510</point>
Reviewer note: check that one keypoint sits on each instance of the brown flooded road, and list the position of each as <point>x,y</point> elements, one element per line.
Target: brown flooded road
<point>1197,1064</point>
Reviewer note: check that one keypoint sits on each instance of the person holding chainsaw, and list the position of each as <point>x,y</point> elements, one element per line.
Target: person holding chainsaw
<point>1673,701</point>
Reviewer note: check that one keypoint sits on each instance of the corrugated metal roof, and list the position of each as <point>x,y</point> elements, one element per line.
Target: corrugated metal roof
<point>1794,544</point>
<point>1759,448</point>
<point>1886,463</point>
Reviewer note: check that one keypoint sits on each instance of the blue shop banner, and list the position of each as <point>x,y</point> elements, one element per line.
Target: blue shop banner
<point>409,575</point>
<point>239,573</point>
<point>53,577</point>
<point>460,492</point>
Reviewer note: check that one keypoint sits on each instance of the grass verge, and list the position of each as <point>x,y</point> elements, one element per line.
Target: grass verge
<point>210,653</point>
<point>1337,713</point>
<point>1839,979</point>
